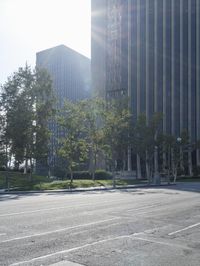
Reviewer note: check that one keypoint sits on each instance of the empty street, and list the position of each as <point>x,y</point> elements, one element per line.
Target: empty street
<point>142,227</point>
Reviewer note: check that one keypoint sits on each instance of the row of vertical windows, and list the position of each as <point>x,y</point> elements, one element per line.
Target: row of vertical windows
<point>172,51</point>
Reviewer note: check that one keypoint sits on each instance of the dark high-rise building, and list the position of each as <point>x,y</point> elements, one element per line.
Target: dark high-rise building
<point>150,50</point>
<point>70,73</point>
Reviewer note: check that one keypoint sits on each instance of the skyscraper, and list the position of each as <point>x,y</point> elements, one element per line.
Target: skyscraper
<point>150,49</point>
<point>70,73</point>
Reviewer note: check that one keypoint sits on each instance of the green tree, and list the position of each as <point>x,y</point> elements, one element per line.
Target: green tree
<point>176,150</point>
<point>74,148</point>
<point>44,101</point>
<point>144,140</point>
<point>92,109</point>
<point>3,159</point>
<point>27,104</point>
<point>116,131</point>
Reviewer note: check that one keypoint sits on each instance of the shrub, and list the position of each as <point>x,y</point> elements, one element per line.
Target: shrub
<point>80,175</point>
<point>102,174</point>
<point>99,175</point>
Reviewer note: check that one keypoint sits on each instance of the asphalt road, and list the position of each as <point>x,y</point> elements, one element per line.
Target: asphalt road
<point>143,227</point>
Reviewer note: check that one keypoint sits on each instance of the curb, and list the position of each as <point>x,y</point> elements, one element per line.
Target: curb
<point>78,190</point>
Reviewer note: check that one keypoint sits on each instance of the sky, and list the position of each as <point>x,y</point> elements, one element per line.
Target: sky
<point>29,26</point>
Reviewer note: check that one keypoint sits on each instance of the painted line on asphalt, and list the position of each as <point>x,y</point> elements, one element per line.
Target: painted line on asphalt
<point>184,229</point>
<point>67,208</point>
<point>68,250</point>
<point>161,243</point>
<point>3,234</point>
<point>160,207</point>
<point>29,212</point>
<point>78,226</point>
<point>59,230</point>
<point>58,208</point>
<point>47,209</point>
<point>86,231</point>
<point>143,208</point>
<point>63,252</point>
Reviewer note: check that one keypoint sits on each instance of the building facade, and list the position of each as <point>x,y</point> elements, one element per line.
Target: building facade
<point>150,49</point>
<point>70,73</point>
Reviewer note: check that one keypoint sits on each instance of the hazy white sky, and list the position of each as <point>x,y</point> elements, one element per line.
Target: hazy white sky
<point>29,26</point>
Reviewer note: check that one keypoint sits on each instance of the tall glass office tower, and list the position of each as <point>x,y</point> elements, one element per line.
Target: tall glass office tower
<point>70,73</point>
<point>150,49</point>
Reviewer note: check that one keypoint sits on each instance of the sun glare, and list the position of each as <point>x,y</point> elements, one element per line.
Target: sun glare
<point>28,26</point>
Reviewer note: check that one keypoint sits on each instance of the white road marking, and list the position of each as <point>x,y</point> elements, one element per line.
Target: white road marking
<point>68,250</point>
<point>47,209</point>
<point>62,252</point>
<point>161,243</point>
<point>58,208</point>
<point>149,211</point>
<point>86,231</point>
<point>142,208</point>
<point>71,207</point>
<point>184,229</point>
<point>28,212</point>
<point>3,234</point>
<point>59,230</point>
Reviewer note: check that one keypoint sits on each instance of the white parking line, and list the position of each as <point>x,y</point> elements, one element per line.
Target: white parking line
<point>28,212</point>
<point>67,207</point>
<point>59,230</point>
<point>58,208</point>
<point>162,243</point>
<point>63,252</point>
<point>142,208</point>
<point>184,229</point>
<point>47,209</point>
<point>68,250</point>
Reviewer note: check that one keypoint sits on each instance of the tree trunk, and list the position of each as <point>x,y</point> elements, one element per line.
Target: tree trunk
<point>139,175</point>
<point>124,160</point>
<point>147,168</point>
<point>172,161</point>
<point>168,176</point>
<point>181,161</point>
<point>91,162</point>
<point>198,157</point>
<point>175,174</point>
<point>94,167</point>
<point>26,166</point>
<point>114,181</point>
<point>190,163</point>
<point>156,173</point>
<point>31,169</point>
<point>71,176</point>
<point>164,165</point>
<point>7,176</point>
<point>129,160</point>
<point>169,164</point>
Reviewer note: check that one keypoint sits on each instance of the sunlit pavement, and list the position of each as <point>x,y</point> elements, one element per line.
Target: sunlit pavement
<point>155,226</point>
<point>65,263</point>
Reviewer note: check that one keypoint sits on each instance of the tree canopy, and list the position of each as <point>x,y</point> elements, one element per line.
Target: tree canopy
<point>26,105</point>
